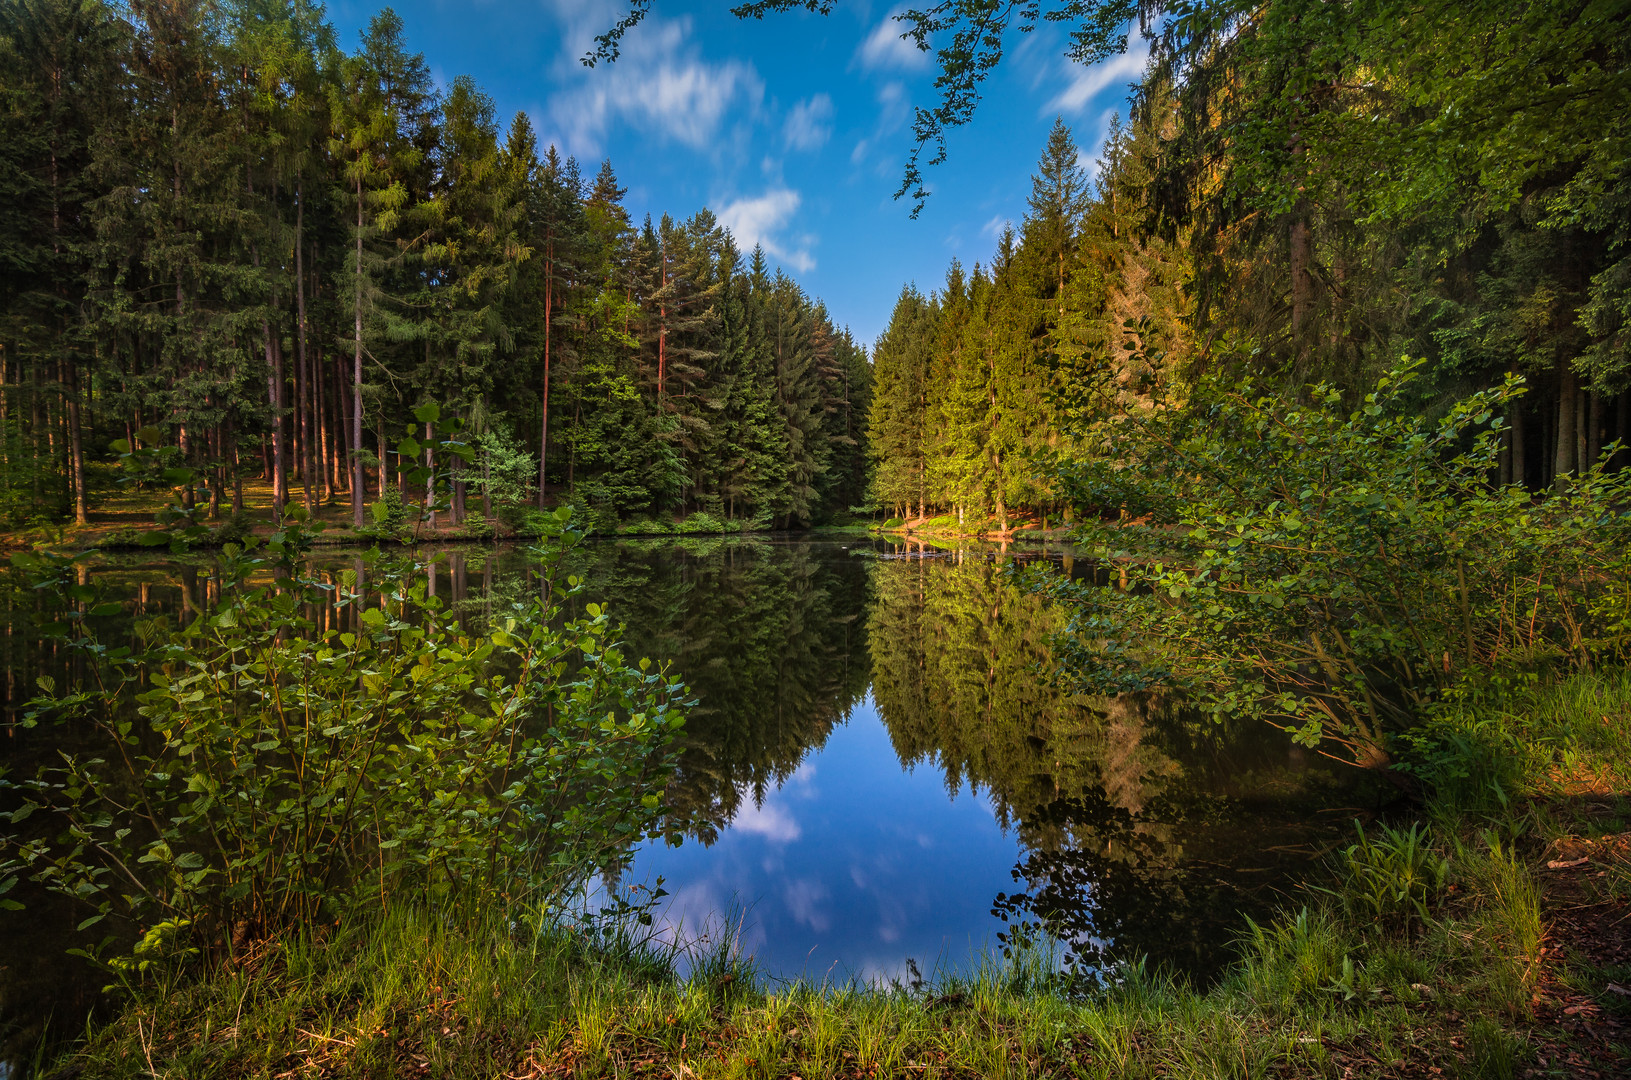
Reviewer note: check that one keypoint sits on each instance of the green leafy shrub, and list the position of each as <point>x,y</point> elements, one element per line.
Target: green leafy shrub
<point>478,527</point>
<point>506,474</point>
<point>640,525</point>
<point>259,773</point>
<point>234,530</point>
<point>388,516</point>
<point>1334,571</point>
<point>701,522</point>
<point>893,523</point>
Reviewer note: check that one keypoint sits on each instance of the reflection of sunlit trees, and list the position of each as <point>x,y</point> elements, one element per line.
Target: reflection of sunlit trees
<point>1127,844</point>
<point>771,641</point>
<point>962,672</point>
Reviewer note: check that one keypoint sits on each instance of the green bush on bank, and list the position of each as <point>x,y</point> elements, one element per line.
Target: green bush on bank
<point>1336,571</point>
<point>261,777</point>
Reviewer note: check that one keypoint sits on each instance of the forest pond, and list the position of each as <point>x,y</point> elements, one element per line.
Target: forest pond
<point>880,777</point>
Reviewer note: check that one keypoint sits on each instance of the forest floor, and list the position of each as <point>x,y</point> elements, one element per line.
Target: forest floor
<point>118,515</point>
<point>947,527</point>
<point>1520,967</point>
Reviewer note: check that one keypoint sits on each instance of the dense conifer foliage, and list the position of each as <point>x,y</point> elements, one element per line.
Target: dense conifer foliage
<point>217,223</point>
<point>1304,191</point>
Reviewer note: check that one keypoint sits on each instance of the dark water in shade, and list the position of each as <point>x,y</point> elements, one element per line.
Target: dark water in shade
<point>878,769</point>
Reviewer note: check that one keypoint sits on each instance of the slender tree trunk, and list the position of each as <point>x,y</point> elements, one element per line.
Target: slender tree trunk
<point>572,447</point>
<point>430,478</point>
<point>184,444</point>
<point>5,424</point>
<point>237,469</point>
<point>36,428</point>
<point>217,480</point>
<point>356,381</point>
<point>1302,280</point>
<point>1520,461</point>
<point>320,412</point>
<point>302,371</point>
<point>274,392</point>
<point>76,455</point>
<point>1568,392</point>
<point>384,475</point>
<point>543,433</point>
<point>1623,429</point>
<point>1594,430</point>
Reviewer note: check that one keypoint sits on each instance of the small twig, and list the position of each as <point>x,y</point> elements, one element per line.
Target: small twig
<point>325,1038</point>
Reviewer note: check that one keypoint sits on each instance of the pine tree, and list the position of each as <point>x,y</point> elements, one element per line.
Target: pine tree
<point>59,59</point>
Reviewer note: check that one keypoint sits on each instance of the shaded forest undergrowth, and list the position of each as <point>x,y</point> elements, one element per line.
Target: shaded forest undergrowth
<point>1490,938</point>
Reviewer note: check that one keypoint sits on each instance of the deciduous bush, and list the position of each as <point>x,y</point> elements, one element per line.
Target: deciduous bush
<point>258,771</point>
<point>1335,570</point>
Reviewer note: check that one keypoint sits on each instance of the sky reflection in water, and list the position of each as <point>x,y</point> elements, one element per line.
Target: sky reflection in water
<point>849,867</point>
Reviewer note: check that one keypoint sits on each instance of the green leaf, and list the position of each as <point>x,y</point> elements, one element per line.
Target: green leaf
<point>428,413</point>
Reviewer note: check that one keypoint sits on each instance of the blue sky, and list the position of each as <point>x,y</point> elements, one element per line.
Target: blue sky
<point>793,130</point>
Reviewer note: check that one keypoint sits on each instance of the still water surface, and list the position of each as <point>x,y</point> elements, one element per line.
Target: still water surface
<point>879,769</point>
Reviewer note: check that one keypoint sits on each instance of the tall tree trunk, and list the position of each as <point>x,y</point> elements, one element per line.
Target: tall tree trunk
<point>302,372</point>
<point>1302,281</point>
<point>76,454</point>
<point>356,381</point>
<point>185,444</point>
<point>319,386</point>
<point>543,432</point>
<point>36,428</point>
<point>1594,429</point>
<point>1623,429</point>
<point>216,472</point>
<point>237,469</point>
<point>384,474</point>
<point>274,393</point>
<point>1567,392</point>
<point>1520,460</point>
<point>430,478</point>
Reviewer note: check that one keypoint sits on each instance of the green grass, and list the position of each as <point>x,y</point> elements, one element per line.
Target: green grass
<point>1438,976</point>
<point>468,1001</point>
<point>421,994</point>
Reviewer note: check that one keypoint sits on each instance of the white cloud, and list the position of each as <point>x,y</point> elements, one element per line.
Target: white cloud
<point>893,108</point>
<point>660,84</point>
<point>1093,165</point>
<point>760,220</point>
<point>1086,83</point>
<point>769,821</point>
<point>809,124</point>
<point>805,899</point>
<point>994,227</point>
<point>884,48</point>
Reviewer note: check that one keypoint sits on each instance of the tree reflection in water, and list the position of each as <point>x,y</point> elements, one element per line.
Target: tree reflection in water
<point>1139,831</point>
<point>1142,832</point>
